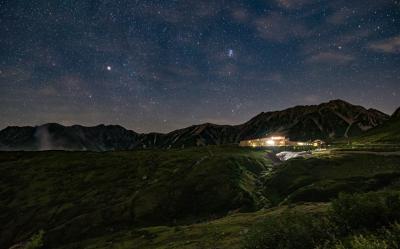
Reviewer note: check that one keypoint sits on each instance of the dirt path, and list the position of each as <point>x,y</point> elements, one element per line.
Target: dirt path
<point>274,159</point>
<point>382,153</point>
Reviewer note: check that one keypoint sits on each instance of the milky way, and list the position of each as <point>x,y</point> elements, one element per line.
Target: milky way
<point>163,65</point>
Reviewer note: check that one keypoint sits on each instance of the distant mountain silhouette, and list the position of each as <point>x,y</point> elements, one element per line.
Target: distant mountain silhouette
<point>396,114</point>
<point>334,119</point>
<point>387,133</point>
<point>58,137</point>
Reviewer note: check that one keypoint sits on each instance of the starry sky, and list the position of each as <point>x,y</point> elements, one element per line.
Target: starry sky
<point>163,65</point>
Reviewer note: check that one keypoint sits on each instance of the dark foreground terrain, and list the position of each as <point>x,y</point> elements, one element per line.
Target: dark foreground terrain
<point>209,197</point>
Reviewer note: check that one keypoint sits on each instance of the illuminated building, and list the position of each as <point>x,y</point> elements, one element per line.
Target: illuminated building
<point>276,141</point>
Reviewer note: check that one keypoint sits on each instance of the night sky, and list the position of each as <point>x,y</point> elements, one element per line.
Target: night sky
<point>163,65</point>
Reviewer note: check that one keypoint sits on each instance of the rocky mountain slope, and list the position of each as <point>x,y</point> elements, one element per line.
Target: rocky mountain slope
<point>387,133</point>
<point>58,137</point>
<point>334,119</point>
<point>396,114</point>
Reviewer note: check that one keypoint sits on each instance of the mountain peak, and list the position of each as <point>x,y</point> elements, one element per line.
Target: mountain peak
<point>338,101</point>
<point>57,125</point>
<point>50,125</point>
<point>334,119</point>
<point>396,113</point>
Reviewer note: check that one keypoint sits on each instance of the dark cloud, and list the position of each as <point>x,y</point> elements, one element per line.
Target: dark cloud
<point>240,14</point>
<point>332,58</point>
<point>341,16</point>
<point>295,4</point>
<point>390,45</point>
<point>279,28</point>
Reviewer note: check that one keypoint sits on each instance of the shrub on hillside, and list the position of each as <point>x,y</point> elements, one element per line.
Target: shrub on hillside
<point>355,221</point>
<point>365,211</point>
<point>290,230</point>
<point>386,238</point>
<point>364,242</point>
<point>36,241</point>
<point>392,236</point>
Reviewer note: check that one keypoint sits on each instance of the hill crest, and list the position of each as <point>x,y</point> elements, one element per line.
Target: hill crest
<point>333,119</point>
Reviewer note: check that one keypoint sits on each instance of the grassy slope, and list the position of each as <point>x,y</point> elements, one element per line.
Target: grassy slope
<point>388,133</point>
<point>321,178</point>
<point>148,199</point>
<point>79,195</point>
<point>226,232</point>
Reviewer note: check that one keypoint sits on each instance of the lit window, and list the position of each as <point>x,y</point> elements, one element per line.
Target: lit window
<point>270,142</point>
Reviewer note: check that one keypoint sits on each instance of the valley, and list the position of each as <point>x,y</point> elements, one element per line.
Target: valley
<point>207,197</point>
<point>210,195</point>
<point>187,124</point>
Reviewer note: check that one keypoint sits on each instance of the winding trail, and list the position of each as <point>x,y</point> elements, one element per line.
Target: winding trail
<point>274,159</point>
<point>382,153</point>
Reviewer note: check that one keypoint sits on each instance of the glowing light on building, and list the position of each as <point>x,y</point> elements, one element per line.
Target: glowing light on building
<point>277,138</point>
<point>276,141</point>
<point>271,142</point>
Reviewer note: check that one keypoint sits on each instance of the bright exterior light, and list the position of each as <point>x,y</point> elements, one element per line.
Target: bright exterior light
<point>270,142</point>
<point>277,138</point>
<point>300,143</point>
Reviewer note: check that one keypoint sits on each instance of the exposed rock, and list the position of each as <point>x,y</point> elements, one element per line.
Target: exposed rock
<point>334,119</point>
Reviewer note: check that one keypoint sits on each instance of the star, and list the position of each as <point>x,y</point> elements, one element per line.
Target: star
<point>230,53</point>
<point>108,68</point>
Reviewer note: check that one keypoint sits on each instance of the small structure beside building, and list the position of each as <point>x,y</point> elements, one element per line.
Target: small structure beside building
<point>318,143</point>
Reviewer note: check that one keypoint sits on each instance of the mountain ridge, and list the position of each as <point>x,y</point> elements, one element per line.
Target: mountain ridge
<point>333,119</point>
<point>387,133</point>
<point>396,114</point>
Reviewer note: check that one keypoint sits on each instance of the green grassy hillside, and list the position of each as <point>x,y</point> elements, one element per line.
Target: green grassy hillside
<point>77,195</point>
<point>227,232</point>
<point>388,133</point>
<point>194,198</point>
<point>324,176</point>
